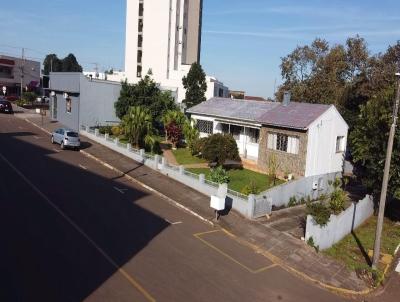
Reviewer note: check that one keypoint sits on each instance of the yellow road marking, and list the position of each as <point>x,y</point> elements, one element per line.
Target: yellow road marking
<point>79,230</point>
<point>198,236</point>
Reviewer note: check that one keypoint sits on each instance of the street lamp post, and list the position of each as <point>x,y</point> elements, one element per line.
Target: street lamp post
<point>382,202</point>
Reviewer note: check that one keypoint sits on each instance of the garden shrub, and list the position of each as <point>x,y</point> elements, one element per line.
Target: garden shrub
<point>292,201</point>
<point>105,129</point>
<point>29,97</point>
<point>251,188</point>
<point>320,212</point>
<point>337,201</point>
<point>219,175</point>
<point>197,146</point>
<point>116,131</point>
<point>219,148</point>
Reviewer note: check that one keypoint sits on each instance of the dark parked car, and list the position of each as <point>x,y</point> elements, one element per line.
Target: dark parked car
<point>5,106</point>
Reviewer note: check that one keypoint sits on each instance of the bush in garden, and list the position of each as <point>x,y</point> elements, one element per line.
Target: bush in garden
<point>219,148</point>
<point>105,129</point>
<point>292,201</point>
<point>251,188</point>
<point>116,131</point>
<point>196,148</point>
<point>337,201</point>
<point>320,212</point>
<point>219,175</point>
<point>29,97</point>
<point>174,133</point>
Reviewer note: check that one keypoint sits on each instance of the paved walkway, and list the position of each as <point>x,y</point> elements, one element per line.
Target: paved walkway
<point>169,156</point>
<point>280,247</point>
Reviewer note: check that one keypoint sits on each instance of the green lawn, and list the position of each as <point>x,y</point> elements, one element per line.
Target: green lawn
<point>239,178</point>
<point>352,249</point>
<point>184,157</point>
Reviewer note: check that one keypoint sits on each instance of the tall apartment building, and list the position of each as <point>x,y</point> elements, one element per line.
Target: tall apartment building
<point>164,36</point>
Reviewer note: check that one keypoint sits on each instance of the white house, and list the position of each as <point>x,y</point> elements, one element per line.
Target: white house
<point>306,139</point>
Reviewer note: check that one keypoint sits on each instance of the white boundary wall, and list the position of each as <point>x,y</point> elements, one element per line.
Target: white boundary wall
<point>341,225</point>
<point>312,186</point>
<point>241,203</point>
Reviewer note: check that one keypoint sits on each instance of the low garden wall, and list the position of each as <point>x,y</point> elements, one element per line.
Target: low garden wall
<point>312,186</point>
<point>235,200</point>
<point>339,225</point>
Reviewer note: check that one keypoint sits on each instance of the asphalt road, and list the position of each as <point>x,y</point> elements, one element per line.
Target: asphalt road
<point>73,230</point>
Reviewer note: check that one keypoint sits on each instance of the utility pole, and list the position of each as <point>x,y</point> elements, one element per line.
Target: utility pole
<point>22,70</point>
<point>382,202</point>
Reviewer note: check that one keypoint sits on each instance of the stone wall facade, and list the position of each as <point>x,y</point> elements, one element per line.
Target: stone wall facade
<point>287,163</point>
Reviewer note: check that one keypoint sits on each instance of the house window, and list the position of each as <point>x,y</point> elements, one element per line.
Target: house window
<point>68,104</point>
<point>205,126</point>
<point>283,142</point>
<point>254,135</point>
<point>139,71</point>
<point>340,144</point>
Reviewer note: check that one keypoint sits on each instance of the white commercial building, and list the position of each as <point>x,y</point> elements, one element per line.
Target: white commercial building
<point>164,37</point>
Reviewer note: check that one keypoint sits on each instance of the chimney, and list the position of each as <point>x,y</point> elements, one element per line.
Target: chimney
<point>286,98</point>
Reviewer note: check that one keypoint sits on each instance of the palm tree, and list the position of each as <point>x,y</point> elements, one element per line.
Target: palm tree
<point>190,132</point>
<point>137,124</point>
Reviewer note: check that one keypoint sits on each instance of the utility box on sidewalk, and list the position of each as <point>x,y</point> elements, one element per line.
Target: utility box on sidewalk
<point>218,202</point>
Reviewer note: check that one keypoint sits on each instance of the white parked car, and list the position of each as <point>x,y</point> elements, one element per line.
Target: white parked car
<point>67,138</point>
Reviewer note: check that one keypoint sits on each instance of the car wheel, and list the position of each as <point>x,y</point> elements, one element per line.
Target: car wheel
<point>52,139</point>
<point>62,145</point>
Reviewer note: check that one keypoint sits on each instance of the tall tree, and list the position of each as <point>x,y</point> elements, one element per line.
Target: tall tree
<point>145,93</point>
<point>196,86</point>
<point>70,64</point>
<point>51,63</point>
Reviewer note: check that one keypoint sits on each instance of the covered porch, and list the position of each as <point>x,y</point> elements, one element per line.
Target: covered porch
<point>247,137</point>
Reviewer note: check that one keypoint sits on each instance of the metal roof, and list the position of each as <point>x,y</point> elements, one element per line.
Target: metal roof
<point>295,115</point>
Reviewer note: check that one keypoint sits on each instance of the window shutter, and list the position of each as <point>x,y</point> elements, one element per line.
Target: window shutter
<point>293,145</point>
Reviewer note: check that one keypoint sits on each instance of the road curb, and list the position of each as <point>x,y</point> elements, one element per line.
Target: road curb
<point>158,193</point>
<point>37,126</point>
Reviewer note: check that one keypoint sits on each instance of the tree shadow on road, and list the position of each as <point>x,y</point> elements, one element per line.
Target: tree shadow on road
<point>46,256</point>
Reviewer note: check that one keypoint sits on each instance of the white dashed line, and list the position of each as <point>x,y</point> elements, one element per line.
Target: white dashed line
<point>173,223</point>
<point>83,167</point>
<point>122,191</point>
<point>55,150</point>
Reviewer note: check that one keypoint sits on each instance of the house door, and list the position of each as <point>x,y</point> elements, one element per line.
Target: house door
<point>54,108</point>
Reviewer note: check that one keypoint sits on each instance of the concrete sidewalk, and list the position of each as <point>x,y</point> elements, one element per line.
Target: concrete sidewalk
<point>281,248</point>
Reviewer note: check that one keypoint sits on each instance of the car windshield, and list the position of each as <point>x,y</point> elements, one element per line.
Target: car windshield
<point>72,134</point>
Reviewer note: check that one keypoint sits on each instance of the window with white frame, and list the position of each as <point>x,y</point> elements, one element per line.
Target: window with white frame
<point>254,135</point>
<point>205,126</point>
<point>283,142</point>
<point>340,144</point>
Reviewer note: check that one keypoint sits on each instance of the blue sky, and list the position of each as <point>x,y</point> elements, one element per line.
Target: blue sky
<point>242,41</point>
